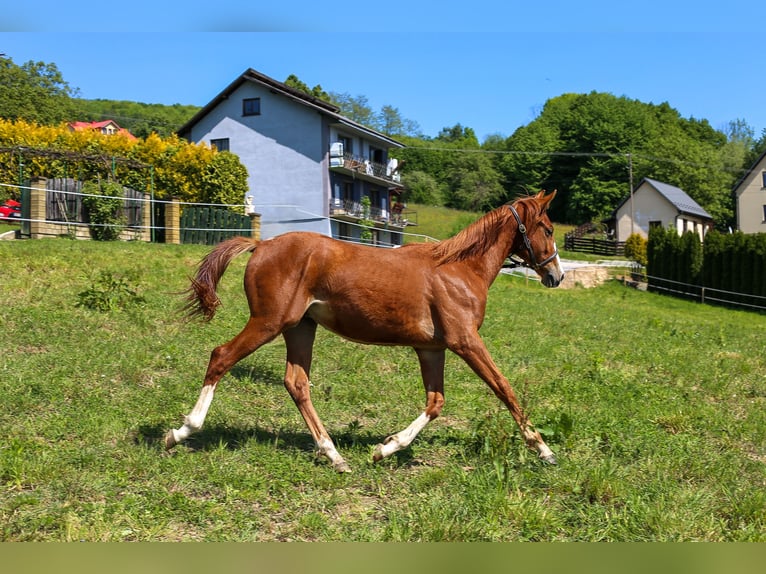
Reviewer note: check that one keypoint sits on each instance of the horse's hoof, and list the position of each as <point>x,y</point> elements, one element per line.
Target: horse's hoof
<point>341,467</point>
<point>170,440</point>
<point>377,454</point>
<point>550,459</point>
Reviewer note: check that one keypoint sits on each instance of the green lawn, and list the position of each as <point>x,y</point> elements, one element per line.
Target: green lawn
<point>654,406</point>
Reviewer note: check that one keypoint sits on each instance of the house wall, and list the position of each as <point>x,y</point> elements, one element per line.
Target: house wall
<point>650,206</point>
<point>285,152</point>
<point>751,201</point>
<point>361,149</point>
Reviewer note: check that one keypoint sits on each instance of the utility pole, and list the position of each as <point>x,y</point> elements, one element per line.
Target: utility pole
<point>630,178</point>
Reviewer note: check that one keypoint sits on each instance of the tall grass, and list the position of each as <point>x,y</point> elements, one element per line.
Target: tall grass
<point>654,406</point>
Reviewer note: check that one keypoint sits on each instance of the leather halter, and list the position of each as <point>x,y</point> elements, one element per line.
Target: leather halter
<point>533,261</point>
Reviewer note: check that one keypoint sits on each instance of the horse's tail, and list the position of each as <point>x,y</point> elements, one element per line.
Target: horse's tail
<point>201,297</point>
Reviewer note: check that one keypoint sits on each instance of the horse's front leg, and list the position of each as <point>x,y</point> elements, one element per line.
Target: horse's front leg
<point>474,352</point>
<point>432,370</point>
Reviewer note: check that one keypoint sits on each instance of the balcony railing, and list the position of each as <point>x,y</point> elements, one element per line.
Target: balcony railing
<point>366,167</point>
<point>352,210</point>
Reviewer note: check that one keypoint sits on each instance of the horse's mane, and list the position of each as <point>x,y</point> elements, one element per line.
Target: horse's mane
<point>474,240</point>
<point>477,238</point>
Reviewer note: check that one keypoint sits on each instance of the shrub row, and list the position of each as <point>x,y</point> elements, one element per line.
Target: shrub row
<point>734,262</point>
<point>170,166</point>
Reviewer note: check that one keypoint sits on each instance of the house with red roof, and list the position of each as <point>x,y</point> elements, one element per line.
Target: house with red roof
<point>106,127</point>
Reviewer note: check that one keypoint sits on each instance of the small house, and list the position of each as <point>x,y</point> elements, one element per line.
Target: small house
<point>106,127</point>
<point>654,203</point>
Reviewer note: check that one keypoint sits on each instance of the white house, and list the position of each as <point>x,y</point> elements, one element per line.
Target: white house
<point>656,203</point>
<point>309,167</point>
<point>750,194</point>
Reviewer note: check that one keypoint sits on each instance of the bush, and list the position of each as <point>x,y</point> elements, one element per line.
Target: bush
<point>171,166</point>
<point>103,203</point>
<point>109,292</point>
<point>635,248</point>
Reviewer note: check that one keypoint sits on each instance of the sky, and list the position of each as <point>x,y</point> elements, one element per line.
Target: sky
<point>488,65</point>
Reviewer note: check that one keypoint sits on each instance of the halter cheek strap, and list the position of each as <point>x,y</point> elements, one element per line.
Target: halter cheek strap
<point>528,245</point>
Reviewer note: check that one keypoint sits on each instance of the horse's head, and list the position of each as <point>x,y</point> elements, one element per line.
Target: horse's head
<point>534,242</point>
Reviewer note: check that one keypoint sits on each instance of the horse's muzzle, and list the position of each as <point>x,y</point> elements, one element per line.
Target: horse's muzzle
<point>552,278</point>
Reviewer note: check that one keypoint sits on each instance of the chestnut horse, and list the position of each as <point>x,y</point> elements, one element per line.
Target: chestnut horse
<point>428,296</point>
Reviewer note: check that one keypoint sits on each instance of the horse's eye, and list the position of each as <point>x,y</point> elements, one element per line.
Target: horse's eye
<point>549,232</point>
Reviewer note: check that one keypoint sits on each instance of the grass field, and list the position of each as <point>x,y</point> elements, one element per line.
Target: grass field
<point>654,406</point>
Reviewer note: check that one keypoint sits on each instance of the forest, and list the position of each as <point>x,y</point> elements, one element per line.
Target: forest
<point>591,147</point>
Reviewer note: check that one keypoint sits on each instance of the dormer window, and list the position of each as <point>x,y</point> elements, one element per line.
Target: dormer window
<point>251,107</point>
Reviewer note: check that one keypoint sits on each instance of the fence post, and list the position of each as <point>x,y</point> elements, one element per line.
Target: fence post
<point>255,225</point>
<point>37,214</point>
<point>146,219</point>
<point>173,222</point>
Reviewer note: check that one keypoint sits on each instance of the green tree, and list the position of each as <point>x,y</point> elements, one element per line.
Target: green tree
<point>580,144</point>
<point>422,188</point>
<point>390,122</point>
<point>138,118</point>
<point>317,92</point>
<point>34,91</point>
<point>354,108</point>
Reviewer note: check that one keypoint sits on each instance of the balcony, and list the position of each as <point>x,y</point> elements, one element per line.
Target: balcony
<point>364,168</point>
<point>353,211</point>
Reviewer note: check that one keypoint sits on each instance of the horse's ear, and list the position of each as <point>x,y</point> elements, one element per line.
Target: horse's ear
<point>545,200</point>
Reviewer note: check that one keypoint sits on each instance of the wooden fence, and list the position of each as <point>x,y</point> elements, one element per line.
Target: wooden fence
<point>210,225</point>
<point>54,207</point>
<point>593,245</point>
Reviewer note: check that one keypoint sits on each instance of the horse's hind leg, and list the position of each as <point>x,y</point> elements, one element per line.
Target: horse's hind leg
<point>432,370</point>
<point>300,343</point>
<point>222,359</point>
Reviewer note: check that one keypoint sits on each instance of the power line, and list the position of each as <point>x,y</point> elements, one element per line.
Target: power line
<point>612,155</point>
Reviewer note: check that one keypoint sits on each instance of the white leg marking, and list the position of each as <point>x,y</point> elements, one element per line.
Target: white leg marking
<point>402,439</point>
<point>534,440</point>
<point>544,452</point>
<point>326,447</point>
<point>195,419</point>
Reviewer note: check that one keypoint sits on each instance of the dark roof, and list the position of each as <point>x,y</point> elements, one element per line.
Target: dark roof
<point>676,196</point>
<point>749,171</point>
<point>321,106</point>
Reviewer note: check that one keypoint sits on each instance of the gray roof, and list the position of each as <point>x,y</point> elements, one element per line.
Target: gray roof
<point>678,198</point>
<point>326,108</point>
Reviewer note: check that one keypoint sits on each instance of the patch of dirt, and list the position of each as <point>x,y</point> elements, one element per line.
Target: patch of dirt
<point>586,277</point>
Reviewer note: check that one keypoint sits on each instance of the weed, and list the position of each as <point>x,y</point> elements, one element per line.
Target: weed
<point>109,292</point>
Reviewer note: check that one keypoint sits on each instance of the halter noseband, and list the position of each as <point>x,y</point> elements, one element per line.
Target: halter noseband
<point>528,245</point>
